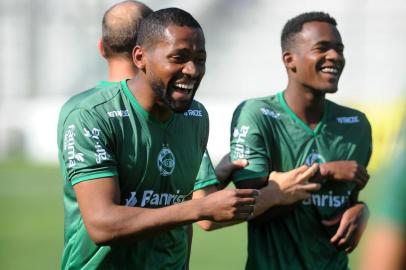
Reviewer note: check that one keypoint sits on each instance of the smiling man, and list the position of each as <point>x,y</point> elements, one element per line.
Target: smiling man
<point>300,126</point>
<point>130,153</point>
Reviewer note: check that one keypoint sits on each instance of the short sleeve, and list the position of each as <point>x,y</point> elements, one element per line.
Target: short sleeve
<point>247,142</point>
<point>86,147</point>
<point>207,175</point>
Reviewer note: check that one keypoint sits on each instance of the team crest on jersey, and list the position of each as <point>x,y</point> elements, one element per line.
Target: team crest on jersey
<point>166,161</point>
<point>314,157</point>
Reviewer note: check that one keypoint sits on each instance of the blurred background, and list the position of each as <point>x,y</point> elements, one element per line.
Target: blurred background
<point>49,52</point>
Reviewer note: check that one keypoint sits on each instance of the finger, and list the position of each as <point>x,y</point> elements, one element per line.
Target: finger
<point>243,216</point>
<point>350,249</point>
<point>364,177</point>
<point>307,174</point>
<point>300,169</point>
<point>247,193</point>
<point>245,201</point>
<point>331,222</point>
<point>341,232</point>
<point>311,187</point>
<point>247,209</point>
<point>348,239</point>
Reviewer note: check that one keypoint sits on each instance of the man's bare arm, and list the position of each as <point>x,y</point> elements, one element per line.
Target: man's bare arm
<point>108,222</point>
<point>282,189</point>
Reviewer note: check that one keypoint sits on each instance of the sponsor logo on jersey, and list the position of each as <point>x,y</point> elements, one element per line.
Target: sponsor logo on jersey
<point>348,120</point>
<point>69,147</point>
<point>240,134</point>
<point>152,198</point>
<point>195,113</point>
<point>327,200</point>
<point>314,157</point>
<point>132,201</point>
<point>166,161</point>
<point>119,113</point>
<point>270,113</point>
<point>100,152</point>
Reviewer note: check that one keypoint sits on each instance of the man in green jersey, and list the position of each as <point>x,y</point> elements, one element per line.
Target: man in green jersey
<point>129,153</point>
<point>300,126</point>
<point>386,243</point>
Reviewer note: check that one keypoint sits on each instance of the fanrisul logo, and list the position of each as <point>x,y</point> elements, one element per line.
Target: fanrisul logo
<point>166,161</point>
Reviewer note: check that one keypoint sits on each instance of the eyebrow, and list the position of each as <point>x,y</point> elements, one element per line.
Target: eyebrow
<point>328,43</point>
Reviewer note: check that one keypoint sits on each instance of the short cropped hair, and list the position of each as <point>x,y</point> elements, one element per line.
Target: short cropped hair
<point>295,25</point>
<point>153,27</point>
<point>120,26</point>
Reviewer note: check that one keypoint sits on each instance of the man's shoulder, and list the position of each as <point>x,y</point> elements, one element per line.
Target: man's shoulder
<point>91,98</point>
<point>261,106</point>
<point>346,115</point>
<point>196,109</point>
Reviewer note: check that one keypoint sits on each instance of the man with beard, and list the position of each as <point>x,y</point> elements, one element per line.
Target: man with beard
<point>129,153</point>
<point>300,126</point>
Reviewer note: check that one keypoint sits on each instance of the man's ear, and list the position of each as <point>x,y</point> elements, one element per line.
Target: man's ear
<point>288,59</point>
<point>101,48</point>
<point>139,57</point>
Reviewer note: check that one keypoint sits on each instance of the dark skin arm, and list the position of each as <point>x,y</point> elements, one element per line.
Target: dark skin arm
<point>281,189</point>
<point>107,222</point>
<point>341,171</point>
<point>292,193</point>
<point>353,221</point>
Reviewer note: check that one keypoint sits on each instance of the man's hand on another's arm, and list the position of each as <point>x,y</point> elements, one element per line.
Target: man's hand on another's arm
<point>352,225</point>
<point>345,171</point>
<point>286,188</point>
<point>226,167</point>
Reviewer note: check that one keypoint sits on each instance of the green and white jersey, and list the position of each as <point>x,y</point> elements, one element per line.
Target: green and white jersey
<point>105,132</point>
<point>267,133</point>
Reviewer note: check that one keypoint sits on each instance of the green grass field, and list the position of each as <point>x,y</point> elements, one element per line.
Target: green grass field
<point>31,227</point>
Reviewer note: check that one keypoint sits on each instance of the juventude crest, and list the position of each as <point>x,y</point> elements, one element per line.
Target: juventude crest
<point>166,161</point>
<point>314,158</point>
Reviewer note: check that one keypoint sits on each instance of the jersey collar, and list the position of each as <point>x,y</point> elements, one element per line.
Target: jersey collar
<point>140,109</point>
<point>312,132</point>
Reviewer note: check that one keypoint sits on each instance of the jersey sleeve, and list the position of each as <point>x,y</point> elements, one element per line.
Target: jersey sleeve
<point>86,148</point>
<point>247,142</point>
<point>207,175</point>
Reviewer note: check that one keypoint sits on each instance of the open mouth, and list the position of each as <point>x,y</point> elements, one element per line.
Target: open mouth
<point>330,70</point>
<point>183,90</point>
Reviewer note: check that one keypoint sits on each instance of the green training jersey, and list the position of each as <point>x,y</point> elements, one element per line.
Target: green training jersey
<point>104,132</point>
<point>267,133</point>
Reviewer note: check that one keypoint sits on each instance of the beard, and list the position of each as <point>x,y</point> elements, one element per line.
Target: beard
<point>165,97</point>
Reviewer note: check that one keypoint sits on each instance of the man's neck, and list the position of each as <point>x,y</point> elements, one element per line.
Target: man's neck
<point>120,69</point>
<point>146,97</point>
<point>307,104</point>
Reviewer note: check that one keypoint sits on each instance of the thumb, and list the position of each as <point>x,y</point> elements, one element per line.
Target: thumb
<point>239,163</point>
<point>331,222</point>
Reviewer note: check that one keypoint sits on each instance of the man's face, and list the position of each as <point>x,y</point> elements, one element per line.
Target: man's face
<point>176,65</point>
<point>319,58</point>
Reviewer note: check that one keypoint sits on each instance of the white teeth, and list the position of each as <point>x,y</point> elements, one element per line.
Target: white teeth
<point>185,86</point>
<point>330,70</point>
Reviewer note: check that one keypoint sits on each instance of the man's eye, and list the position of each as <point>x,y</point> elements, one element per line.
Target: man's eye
<point>178,58</point>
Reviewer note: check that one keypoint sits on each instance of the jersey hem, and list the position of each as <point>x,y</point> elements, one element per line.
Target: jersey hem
<point>206,183</point>
<point>248,177</point>
<point>92,176</point>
